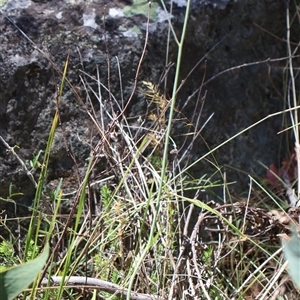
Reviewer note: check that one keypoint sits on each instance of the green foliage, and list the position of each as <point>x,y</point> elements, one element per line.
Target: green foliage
<point>7,257</point>
<point>106,271</point>
<point>208,255</point>
<point>106,196</point>
<point>292,255</point>
<point>34,163</point>
<point>10,196</point>
<point>33,250</point>
<point>6,250</point>
<point>104,268</point>
<point>156,161</point>
<point>14,280</point>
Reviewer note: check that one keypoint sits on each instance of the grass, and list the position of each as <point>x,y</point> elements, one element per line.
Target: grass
<point>129,232</point>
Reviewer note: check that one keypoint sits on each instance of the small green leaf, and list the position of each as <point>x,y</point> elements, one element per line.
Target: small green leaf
<point>292,255</point>
<point>14,280</point>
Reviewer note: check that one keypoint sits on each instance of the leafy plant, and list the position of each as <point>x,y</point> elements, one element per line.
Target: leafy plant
<point>34,163</point>
<point>7,257</point>
<point>15,279</point>
<point>291,249</point>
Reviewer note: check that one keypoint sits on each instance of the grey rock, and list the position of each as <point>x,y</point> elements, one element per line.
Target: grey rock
<point>224,34</point>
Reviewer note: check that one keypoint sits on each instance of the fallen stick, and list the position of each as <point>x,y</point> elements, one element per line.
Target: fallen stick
<point>103,285</point>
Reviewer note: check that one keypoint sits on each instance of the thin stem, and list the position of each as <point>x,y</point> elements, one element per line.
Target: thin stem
<point>152,239</point>
<point>293,116</point>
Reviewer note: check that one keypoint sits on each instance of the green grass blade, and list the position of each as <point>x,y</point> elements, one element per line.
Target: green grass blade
<point>42,178</point>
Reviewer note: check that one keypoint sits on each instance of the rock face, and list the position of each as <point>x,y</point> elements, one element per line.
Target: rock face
<point>38,36</point>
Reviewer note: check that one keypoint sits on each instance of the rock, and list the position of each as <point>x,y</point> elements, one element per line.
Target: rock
<point>37,37</point>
